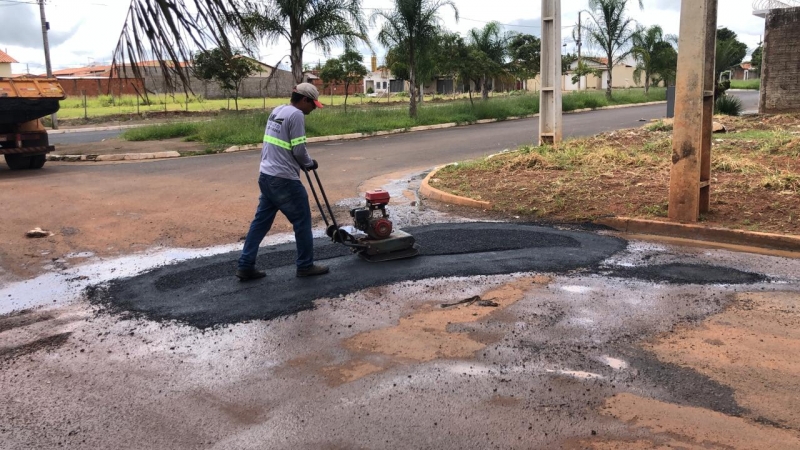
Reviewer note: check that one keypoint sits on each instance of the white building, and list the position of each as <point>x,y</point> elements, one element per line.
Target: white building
<point>382,81</point>
<point>5,64</point>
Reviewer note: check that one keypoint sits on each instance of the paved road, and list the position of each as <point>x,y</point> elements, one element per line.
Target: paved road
<point>514,133</point>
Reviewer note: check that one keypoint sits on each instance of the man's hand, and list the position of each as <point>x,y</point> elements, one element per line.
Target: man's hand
<point>313,166</point>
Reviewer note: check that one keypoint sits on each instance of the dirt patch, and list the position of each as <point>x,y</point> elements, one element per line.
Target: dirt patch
<point>755,176</point>
<point>753,347</point>
<point>47,343</point>
<point>674,426</point>
<point>424,335</point>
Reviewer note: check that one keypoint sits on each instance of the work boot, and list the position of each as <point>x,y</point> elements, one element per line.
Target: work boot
<point>249,274</point>
<point>312,271</point>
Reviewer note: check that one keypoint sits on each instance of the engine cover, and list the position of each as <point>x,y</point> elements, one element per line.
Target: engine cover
<point>380,228</point>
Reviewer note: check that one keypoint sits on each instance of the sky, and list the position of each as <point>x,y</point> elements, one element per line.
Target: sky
<point>84,32</point>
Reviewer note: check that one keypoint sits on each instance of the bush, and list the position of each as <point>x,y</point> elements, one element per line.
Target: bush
<point>728,105</point>
<point>403,94</point>
<point>370,90</point>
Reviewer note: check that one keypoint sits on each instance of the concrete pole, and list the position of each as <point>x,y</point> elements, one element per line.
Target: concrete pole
<point>690,176</point>
<point>550,128</point>
<point>47,54</point>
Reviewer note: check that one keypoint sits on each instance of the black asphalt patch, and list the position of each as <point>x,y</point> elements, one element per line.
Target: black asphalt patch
<point>203,292</point>
<point>677,273</point>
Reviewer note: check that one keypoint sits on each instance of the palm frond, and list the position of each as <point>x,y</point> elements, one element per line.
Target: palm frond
<point>169,32</point>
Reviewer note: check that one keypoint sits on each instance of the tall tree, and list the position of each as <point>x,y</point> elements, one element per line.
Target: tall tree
<point>489,41</point>
<point>412,25</point>
<point>665,64</point>
<point>648,48</point>
<point>524,51</point>
<point>730,51</point>
<point>322,23</point>
<point>347,69</point>
<point>755,59</point>
<point>610,30</point>
<point>227,69</point>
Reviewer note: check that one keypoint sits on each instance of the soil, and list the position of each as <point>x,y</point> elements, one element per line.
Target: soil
<point>755,182</point>
<point>119,146</point>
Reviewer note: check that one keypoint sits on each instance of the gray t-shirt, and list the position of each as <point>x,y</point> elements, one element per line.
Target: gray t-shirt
<point>285,143</point>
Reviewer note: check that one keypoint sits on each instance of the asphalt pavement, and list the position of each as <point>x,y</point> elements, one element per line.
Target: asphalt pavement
<point>514,133</point>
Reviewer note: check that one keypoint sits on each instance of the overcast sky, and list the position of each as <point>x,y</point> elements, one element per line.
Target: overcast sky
<point>86,31</point>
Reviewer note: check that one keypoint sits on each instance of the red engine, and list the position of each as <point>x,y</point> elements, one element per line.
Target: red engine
<point>373,219</point>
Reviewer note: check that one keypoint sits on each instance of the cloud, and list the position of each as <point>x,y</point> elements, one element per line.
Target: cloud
<point>26,29</point>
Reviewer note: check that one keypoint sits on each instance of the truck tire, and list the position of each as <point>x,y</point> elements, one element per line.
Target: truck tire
<point>37,161</point>
<point>18,162</point>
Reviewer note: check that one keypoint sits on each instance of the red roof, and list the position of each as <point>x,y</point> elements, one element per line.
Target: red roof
<point>4,58</point>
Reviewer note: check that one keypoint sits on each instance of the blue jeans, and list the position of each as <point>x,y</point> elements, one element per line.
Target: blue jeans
<point>290,198</point>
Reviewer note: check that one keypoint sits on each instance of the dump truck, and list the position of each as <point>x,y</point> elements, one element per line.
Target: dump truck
<point>23,103</point>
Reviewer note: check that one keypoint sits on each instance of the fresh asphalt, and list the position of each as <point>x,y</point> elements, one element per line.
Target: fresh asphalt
<point>502,135</point>
<point>204,293</point>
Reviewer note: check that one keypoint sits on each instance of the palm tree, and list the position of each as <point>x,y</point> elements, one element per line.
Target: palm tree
<point>322,23</point>
<point>491,43</point>
<point>610,30</point>
<point>648,48</point>
<point>413,26</point>
<point>171,31</point>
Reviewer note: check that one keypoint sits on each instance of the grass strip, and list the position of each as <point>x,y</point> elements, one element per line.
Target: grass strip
<point>248,128</point>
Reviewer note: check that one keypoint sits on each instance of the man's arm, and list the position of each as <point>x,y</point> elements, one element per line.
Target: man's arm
<point>297,135</point>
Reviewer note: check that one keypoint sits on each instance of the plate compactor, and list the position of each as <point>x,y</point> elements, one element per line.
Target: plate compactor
<point>380,242</point>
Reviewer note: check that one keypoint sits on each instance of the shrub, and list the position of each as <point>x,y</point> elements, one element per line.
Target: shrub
<point>370,90</point>
<point>728,105</point>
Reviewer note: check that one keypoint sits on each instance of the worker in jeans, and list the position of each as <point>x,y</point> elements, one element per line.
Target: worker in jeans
<point>283,156</point>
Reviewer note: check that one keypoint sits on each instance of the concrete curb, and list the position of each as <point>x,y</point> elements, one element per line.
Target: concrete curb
<point>431,192</point>
<point>119,157</point>
<point>702,233</point>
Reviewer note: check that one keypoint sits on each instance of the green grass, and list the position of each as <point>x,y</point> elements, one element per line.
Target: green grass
<point>248,127</point>
<point>746,84</point>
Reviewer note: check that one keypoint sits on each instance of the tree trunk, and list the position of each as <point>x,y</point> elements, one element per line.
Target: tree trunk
<point>412,83</point>
<point>610,78</point>
<point>646,82</point>
<point>346,85</point>
<point>484,90</point>
<point>421,93</point>
<point>296,57</point>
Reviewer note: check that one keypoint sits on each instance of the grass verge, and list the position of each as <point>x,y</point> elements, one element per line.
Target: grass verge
<point>248,128</point>
<point>755,176</point>
<point>746,84</point>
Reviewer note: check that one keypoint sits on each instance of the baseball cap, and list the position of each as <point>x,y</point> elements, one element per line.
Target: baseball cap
<point>310,91</point>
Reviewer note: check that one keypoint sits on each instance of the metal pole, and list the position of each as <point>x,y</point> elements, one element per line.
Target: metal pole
<point>45,27</point>
<point>690,175</point>
<point>550,106</point>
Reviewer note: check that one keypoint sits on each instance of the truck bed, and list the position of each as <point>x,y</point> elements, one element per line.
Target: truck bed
<point>24,99</point>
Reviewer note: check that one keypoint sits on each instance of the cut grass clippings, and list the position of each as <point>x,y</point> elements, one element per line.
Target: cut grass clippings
<point>755,176</point>
<point>248,128</point>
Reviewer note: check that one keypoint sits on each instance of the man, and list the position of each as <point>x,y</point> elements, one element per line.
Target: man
<point>283,156</point>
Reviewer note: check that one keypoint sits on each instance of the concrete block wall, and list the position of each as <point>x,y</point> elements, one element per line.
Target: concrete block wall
<point>780,78</point>
<point>280,85</point>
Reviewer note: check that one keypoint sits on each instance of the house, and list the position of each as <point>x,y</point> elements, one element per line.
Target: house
<point>382,81</point>
<point>744,71</point>
<point>337,88</point>
<point>5,64</point>
<point>621,75</point>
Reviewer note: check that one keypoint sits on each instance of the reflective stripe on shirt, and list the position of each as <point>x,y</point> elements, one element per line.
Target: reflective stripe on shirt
<point>283,144</point>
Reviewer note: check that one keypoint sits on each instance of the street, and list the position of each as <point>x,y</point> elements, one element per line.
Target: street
<point>126,328</point>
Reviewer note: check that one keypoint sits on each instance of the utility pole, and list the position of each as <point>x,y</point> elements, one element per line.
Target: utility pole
<point>45,27</point>
<point>690,175</point>
<point>550,105</point>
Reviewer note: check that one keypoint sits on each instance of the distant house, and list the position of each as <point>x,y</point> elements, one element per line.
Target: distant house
<point>337,88</point>
<point>621,75</point>
<point>381,81</point>
<point>5,64</point>
<point>744,71</point>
